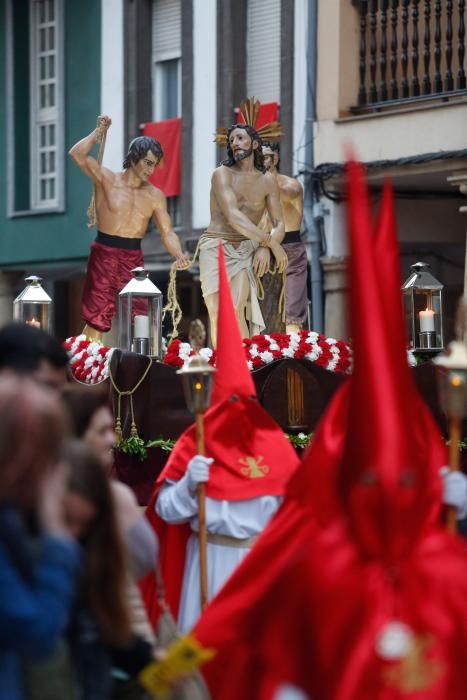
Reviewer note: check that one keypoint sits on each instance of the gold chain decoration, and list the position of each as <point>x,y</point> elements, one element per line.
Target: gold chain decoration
<point>129,392</point>
<point>91,211</point>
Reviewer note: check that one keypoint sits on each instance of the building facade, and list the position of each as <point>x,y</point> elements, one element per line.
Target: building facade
<point>386,76</point>
<point>391,83</point>
<point>142,62</point>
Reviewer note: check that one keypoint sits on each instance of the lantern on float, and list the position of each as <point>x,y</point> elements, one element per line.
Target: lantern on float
<point>140,315</point>
<point>423,308</point>
<point>32,306</point>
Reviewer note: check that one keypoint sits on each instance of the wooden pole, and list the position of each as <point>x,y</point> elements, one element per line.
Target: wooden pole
<point>455,425</point>
<point>202,534</point>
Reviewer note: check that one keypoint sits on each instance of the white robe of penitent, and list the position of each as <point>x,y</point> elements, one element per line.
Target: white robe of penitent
<point>240,519</point>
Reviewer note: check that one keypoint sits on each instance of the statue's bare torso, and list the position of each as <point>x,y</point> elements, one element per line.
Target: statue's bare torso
<point>251,190</point>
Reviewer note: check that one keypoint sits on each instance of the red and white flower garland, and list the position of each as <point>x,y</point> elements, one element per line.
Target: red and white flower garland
<point>333,355</point>
<point>89,360</point>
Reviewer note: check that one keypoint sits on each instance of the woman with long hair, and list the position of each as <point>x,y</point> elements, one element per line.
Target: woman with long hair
<point>38,560</point>
<point>101,619</point>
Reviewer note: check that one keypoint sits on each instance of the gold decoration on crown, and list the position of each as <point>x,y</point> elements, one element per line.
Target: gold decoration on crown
<point>249,109</point>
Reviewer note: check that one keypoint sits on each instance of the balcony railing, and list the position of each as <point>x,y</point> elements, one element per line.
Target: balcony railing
<point>410,50</point>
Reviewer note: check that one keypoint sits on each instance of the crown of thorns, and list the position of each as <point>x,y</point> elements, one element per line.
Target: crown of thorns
<point>250,110</point>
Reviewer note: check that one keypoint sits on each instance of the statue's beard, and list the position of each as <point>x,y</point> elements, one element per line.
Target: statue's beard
<point>241,155</point>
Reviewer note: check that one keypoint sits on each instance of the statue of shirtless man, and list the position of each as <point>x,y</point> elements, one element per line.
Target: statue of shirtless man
<point>291,197</point>
<point>125,203</point>
<point>240,192</point>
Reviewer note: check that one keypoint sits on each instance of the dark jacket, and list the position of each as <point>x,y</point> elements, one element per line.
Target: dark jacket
<point>37,587</point>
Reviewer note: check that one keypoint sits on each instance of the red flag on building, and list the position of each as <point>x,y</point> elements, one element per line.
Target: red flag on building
<point>167,175</point>
<point>268,113</point>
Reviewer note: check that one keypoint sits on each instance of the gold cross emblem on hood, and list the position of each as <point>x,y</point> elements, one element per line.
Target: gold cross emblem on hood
<point>254,467</point>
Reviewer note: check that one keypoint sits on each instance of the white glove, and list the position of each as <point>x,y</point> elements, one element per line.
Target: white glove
<point>455,491</point>
<point>198,471</point>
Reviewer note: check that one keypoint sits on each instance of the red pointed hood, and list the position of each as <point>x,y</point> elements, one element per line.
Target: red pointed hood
<point>390,485</point>
<point>232,376</point>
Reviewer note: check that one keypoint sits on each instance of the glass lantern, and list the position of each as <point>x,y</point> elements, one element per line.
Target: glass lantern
<point>423,308</point>
<point>33,305</point>
<point>197,376</point>
<point>140,315</point>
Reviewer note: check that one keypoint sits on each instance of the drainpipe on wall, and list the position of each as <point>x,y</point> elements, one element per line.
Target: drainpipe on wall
<point>312,208</point>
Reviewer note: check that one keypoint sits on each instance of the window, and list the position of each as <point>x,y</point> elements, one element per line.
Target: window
<point>263,52</point>
<point>35,110</point>
<point>166,58</point>
<point>45,103</point>
<point>167,71</point>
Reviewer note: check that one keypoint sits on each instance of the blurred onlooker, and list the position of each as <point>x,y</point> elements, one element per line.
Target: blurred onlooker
<point>101,622</point>
<point>30,351</point>
<point>92,421</point>
<point>38,560</point>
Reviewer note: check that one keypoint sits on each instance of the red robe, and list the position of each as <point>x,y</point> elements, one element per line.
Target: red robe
<point>236,431</point>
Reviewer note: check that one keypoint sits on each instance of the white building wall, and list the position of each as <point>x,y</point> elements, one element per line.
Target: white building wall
<point>204,107</point>
<point>300,84</point>
<point>112,84</point>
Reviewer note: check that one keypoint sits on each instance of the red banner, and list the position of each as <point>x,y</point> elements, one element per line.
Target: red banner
<point>167,175</point>
<point>268,112</point>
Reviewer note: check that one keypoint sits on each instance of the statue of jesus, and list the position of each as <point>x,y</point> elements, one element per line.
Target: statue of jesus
<point>241,190</point>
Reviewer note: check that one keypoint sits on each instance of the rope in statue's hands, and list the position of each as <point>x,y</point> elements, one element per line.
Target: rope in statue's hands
<point>173,307</point>
<point>101,139</point>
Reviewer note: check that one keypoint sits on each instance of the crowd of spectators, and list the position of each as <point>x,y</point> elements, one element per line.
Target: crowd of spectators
<point>73,542</point>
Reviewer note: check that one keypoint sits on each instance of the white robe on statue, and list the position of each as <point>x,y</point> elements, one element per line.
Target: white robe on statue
<point>239,519</point>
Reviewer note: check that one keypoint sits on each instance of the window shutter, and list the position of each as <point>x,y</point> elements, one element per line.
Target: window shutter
<point>166,30</point>
<point>263,74</point>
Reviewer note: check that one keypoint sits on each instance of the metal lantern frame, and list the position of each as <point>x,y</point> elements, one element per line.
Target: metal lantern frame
<point>140,332</point>
<point>33,306</point>
<point>423,308</point>
<point>197,378</point>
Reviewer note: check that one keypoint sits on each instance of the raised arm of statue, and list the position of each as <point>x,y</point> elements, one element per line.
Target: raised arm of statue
<point>79,153</point>
<point>227,201</point>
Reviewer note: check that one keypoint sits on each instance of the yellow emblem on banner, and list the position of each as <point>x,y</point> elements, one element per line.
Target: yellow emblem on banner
<point>182,658</point>
<point>254,467</point>
<point>415,672</point>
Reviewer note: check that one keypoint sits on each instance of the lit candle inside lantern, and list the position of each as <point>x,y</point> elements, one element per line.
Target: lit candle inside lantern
<point>33,322</point>
<point>427,321</point>
<point>141,327</point>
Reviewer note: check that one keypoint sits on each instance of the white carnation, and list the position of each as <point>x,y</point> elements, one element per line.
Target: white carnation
<point>266,356</point>
<point>206,353</point>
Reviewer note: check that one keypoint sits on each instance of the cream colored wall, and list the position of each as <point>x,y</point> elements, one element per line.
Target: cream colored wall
<point>393,135</point>
<point>338,41</point>
<point>428,127</point>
